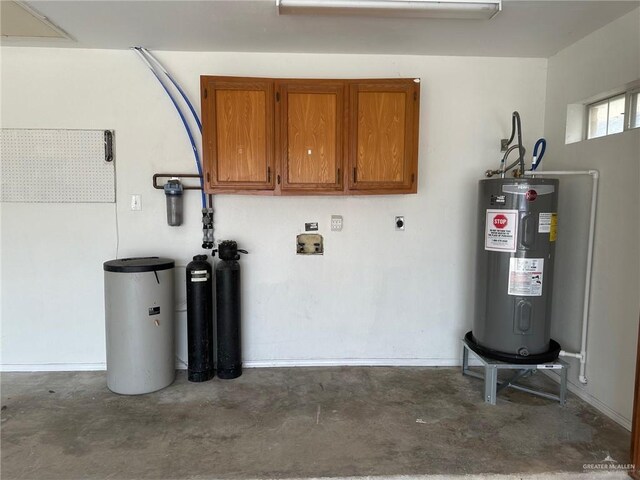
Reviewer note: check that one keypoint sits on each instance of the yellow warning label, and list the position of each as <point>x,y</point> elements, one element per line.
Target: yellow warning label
<point>553,230</point>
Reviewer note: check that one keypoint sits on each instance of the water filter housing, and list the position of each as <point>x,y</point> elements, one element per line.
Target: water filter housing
<point>173,191</point>
<point>517,231</point>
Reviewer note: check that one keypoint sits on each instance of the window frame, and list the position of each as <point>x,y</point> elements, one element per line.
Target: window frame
<point>631,108</point>
<point>631,105</point>
<point>606,101</point>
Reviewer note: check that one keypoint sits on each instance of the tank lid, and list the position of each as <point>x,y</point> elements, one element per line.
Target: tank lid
<point>138,264</point>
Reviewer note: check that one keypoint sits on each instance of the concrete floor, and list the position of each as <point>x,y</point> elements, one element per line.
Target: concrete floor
<point>302,422</point>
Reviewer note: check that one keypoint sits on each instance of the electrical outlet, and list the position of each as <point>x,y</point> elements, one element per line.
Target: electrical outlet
<point>400,223</point>
<point>136,202</point>
<point>336,223</point>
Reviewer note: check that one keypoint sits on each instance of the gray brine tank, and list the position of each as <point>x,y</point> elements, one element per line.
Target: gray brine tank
<point>516,247</point>
<point>139,314</point>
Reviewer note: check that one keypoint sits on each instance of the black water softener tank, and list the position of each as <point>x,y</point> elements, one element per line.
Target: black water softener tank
<point>200,319</point>
<point>228,310</point>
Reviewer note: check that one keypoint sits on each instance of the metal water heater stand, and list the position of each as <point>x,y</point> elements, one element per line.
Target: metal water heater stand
<point>492,386</point>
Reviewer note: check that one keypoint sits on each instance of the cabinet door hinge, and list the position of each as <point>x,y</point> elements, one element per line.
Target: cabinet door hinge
<point>205,93</point>
<point>339,181</point>
<point>277,96</point>
<point>208,180</point>
<point>413,177</point>
<point>415,96</point>
<point>268,174</point>
<point>278,178</point>
<point>355,175</point>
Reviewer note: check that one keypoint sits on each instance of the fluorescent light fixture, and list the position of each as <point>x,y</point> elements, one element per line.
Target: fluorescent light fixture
<point>466,9</point>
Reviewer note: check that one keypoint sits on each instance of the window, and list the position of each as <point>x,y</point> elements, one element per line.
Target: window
<point>634,111</point>
<point>613,115</point>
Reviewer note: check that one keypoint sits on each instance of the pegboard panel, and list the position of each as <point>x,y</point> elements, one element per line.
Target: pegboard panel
<point>56,166</point>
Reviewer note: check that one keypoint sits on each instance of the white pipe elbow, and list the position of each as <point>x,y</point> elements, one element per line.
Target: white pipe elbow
<point>579,356</point>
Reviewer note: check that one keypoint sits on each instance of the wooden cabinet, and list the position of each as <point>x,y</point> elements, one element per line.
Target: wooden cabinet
<point>289,137</point>
<point>237,134</point>
<point>383,141</point>
<point>311,141</point>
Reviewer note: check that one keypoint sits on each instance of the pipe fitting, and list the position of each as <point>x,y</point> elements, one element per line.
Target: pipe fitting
<point>579,356</point>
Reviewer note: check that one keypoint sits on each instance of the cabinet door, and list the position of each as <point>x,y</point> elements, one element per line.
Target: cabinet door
<point>237,134</point>
<point>383,144</point>
<point>311,122</point>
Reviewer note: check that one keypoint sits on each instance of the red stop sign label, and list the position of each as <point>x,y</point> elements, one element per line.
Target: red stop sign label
<point>500,221</point>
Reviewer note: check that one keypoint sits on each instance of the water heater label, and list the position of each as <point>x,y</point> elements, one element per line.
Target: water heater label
<point>525,277</point>
<point>501,230</point>
<point>544,222</point>
<point>553,231</point>
<point>498,200</point>
<point>548,223</point>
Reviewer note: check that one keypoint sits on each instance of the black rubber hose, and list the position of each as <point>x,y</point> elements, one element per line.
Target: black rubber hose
<point>516,116</point>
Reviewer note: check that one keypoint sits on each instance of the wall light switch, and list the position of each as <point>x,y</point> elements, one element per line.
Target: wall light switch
<point>336,223</point>
<point>136,202</point>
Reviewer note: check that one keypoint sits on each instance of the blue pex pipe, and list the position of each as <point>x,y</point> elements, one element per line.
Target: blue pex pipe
<point>139,51</point>
<point>542,143</point>
<point>184,95</point>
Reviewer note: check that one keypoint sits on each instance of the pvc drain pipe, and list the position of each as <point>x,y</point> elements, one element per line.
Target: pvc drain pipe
<point>595,175</point>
